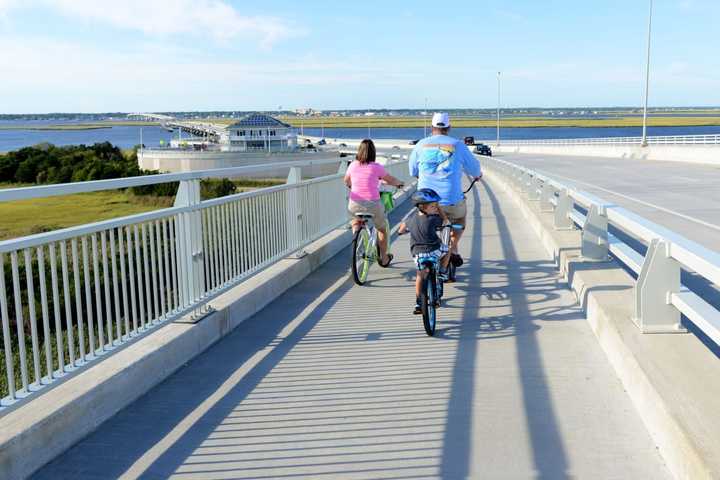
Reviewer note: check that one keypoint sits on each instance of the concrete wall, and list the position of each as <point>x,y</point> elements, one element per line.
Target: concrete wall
<point>707,154</point>
<point>175,161</point>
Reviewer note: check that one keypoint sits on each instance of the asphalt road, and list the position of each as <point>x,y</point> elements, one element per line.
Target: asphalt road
<point>680,196</point>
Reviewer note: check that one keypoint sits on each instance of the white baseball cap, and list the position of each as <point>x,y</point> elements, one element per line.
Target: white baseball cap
<point>441,120</point>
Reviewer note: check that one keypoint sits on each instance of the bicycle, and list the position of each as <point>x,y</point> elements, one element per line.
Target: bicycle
<point>365,247</point>
<point>433,287</point>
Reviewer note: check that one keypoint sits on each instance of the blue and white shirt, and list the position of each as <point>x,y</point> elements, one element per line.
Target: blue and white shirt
<point>438,162</point>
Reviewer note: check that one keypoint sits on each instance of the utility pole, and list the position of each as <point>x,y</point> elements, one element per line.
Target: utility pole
<point>647,78</point>
<point>425,119</point>
<point>497,142</point>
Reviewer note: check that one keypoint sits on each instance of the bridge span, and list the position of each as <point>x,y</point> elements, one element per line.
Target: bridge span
<point>333,380</point>
<point>223,338</point>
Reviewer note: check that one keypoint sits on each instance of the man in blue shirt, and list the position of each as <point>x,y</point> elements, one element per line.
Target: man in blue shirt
<point>438,162</point>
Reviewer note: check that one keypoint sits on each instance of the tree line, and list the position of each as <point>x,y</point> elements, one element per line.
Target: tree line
<point>47,164</point>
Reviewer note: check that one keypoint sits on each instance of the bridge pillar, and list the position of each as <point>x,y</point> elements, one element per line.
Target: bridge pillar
<point>595,235</point>
<point>533,194</point>
<point>547,194</point>
<point>562,219</point>
<point>189,246</point>
<point>659,278</point>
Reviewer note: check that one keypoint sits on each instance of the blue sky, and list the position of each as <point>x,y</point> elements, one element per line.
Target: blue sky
<point>159,55</point>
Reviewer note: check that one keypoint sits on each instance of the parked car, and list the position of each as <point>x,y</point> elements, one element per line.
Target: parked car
<point>483,149</point>
<point>469,140</point>
<point>322,141</point>
<point>343,145</point>
<point>413,142</point>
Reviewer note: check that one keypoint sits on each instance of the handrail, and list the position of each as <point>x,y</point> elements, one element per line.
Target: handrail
<point>70,296</point>
<point>652,140</point>
<point>660,296</point>
<point>26,193</point>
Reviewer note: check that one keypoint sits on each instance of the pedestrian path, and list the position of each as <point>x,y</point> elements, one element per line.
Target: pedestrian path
<point>333,380</point>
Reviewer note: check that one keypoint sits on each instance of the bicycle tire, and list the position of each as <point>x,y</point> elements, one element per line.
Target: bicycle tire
<point>427,303</point>
<point>360,256</point>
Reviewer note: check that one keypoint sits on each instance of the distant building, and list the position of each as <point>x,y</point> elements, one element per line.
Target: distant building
<point>258,131</point>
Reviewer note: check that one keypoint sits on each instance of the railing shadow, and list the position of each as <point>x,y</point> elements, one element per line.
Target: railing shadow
<point>547,446</point>
<point>192,385</point>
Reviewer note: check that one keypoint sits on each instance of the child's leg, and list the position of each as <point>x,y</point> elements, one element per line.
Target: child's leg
<point>418,283</point>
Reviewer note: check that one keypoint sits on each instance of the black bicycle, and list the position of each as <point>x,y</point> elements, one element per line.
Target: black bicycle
<point>433,287</point>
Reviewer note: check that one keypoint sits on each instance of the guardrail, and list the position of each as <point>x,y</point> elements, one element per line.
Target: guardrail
<point>71,296</point>
<point>655,140</point>
<point>660,297</point>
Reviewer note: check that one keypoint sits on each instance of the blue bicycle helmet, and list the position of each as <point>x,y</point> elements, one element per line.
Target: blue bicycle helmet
<point>425,195</point>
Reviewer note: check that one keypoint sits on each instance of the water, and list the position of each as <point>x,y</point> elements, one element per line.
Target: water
<point>128,137</point>
<point>489,133</point>
<point>123,137</point>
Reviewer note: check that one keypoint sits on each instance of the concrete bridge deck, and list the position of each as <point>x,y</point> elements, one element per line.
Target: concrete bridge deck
<point>338,381</point>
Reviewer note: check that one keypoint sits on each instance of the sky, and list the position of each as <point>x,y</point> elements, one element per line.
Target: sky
<point>178,55</point>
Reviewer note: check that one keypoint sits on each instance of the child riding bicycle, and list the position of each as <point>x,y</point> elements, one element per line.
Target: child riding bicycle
<point>425,244</point>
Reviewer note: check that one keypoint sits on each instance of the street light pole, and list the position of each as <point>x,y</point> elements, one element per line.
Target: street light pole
<point>497,143</point>
<point>647,78</point>
<point>425,119</point>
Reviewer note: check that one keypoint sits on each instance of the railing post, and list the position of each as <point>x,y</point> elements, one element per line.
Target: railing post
<point>595,235</point>
<point>294,212</point>
<point>562,219</point>
<point>525,182</point>
<point>548,192</point>
<point>659,278</point>
<point>533,194</point>
<point>189,238</point>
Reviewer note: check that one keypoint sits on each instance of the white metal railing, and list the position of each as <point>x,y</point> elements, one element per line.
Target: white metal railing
<point>655,140</point>
<point>660,297</point>
<point>70,296</point>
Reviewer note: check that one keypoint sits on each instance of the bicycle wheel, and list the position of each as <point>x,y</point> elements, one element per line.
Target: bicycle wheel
<point>360,256</point>
<point>427,303</point>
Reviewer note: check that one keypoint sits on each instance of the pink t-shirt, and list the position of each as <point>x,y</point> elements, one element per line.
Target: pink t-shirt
<point>365,180</point>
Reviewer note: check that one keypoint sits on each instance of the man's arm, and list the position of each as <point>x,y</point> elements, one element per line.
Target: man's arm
<point>470,163</point>
<point>412,163</point>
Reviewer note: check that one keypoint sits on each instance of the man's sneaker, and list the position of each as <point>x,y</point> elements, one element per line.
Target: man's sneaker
<point>417,310</point>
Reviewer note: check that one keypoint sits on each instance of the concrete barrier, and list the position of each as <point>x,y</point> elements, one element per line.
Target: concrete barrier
<point>176,161</point>
<point>39,431</point>
<point>704,154</point>
<point>673,380</point>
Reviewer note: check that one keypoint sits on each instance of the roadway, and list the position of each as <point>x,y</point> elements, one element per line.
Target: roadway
<point>681,196</point>
<point>334,380</point>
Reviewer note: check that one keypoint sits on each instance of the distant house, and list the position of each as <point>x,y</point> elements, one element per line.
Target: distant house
<point>256,132</point>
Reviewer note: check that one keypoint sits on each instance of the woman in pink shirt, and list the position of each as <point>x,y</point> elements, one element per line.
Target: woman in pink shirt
<point>363,178</point>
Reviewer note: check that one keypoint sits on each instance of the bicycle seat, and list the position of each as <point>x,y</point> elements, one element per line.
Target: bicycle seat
<point>364,215</point>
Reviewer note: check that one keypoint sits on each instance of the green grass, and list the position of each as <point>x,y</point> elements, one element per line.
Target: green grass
<point>26,217</point>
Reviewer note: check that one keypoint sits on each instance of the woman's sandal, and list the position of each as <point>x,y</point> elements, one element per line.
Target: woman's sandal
<point>390,259</point>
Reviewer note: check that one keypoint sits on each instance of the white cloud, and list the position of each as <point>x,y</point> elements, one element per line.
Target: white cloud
<point>216,19</point>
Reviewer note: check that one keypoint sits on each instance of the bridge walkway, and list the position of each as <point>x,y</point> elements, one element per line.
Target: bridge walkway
<point>338,381</point>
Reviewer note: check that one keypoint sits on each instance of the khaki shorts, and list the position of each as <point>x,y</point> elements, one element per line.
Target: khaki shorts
<point>371,206</point>
<point>456,213</point>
